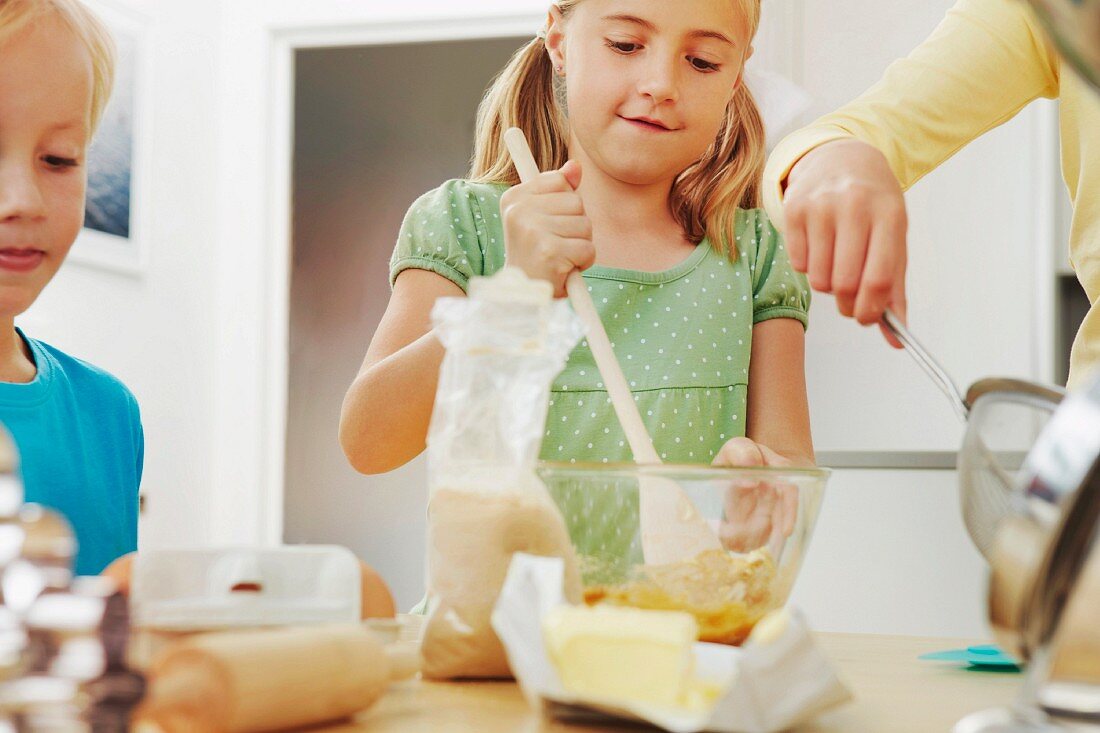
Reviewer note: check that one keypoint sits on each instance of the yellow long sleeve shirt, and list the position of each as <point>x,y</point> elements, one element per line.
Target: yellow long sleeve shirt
<point>986,61</point>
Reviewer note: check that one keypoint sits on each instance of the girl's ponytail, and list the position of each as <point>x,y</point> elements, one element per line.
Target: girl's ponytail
<point>522,96</point>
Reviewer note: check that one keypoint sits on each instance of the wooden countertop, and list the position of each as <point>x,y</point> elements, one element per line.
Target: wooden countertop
<point>892,689</point>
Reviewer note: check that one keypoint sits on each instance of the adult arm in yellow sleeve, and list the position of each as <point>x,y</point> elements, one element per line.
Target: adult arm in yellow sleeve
<point>836,186</point>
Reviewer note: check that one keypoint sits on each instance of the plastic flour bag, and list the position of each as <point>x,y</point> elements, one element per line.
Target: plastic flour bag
<point>505,344</point>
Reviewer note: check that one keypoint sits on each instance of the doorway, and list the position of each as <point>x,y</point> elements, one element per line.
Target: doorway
<point>374,128</point>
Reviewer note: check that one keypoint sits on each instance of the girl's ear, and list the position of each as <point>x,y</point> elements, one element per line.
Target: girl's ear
<point>555,37</point>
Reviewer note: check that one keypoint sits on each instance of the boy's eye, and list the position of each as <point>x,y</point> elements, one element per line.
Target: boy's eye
<point>623,46</point>
<point>701,65</point>
<point>57,161</point>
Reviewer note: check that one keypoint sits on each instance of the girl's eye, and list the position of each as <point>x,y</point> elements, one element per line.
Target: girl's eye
<point>623,46</point>
<point>701,65</point>
<point>56,161</point>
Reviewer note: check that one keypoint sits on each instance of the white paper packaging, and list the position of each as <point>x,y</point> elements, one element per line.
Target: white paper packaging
<point>776,681</point>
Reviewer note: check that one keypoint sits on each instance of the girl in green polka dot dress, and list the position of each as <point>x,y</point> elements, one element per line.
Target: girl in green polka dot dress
<point>654,151</point>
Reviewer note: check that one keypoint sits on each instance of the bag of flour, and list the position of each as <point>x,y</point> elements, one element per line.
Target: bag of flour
<point>505,344</point>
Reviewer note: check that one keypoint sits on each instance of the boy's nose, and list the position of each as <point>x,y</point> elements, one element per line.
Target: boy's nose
<point>659,81</point>
<point>20,195</point>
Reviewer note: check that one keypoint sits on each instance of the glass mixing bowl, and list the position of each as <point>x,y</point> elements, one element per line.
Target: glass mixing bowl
<point>762,517</point>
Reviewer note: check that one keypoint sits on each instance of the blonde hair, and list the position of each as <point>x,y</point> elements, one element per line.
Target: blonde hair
<point>704,197</point>
<point>89,30</point>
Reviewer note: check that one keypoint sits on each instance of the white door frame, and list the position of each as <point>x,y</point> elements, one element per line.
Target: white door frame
<point>250,347</point>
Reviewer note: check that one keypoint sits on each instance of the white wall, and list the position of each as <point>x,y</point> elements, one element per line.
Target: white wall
<point>891,556</point>
<point>154,330</point>
<point>974,264</point>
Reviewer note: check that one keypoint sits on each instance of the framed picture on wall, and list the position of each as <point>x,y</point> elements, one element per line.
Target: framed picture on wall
<point>115,217</point>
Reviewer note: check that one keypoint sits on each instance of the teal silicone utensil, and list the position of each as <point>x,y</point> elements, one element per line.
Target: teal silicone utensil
<point>980,656</point>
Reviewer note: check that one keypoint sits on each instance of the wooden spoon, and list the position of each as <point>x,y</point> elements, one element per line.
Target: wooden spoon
<point>671,526</point>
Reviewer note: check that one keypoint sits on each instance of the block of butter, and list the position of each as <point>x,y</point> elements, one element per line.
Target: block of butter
<point>617,654</point>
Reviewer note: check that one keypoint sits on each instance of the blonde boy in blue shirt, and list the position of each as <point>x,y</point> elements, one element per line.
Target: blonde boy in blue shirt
<point>77,428</point>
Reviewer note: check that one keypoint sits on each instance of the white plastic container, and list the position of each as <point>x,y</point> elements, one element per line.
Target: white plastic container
<point>181,592</point>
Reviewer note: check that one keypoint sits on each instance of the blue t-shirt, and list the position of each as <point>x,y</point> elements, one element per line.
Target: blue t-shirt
<point>81,449</point>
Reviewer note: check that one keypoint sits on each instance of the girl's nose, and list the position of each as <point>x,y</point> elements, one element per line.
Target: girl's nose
<point>20,195</point>
<point>658,81</point>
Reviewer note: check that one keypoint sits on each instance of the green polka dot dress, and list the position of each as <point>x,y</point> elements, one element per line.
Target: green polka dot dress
<point>683,337</point>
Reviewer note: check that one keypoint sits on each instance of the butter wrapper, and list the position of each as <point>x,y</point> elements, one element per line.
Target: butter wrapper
<point>778,680</point>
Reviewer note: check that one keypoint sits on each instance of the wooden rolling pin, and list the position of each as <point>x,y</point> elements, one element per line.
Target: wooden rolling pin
<point>244,681</point>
